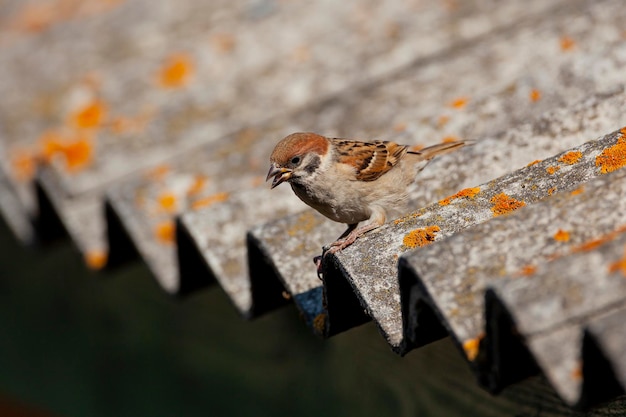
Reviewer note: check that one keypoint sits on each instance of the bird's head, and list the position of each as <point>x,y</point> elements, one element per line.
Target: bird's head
<point>297,157</point>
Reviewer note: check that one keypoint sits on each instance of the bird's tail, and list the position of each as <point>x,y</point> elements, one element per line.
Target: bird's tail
<point>442,148</point>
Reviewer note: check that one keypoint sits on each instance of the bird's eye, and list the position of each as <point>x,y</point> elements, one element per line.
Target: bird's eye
<point>295,160</point>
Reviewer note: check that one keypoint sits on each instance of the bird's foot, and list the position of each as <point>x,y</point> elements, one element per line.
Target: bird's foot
<point>340,244</point>
<point>334,247</point>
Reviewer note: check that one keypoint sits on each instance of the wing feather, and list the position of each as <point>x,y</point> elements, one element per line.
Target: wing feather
<point>369,159</point>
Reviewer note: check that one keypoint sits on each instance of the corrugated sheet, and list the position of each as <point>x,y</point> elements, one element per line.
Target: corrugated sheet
<point>175,81</point>
<point>452,277</point>
<point>373,281</point>
<point>551,307</point>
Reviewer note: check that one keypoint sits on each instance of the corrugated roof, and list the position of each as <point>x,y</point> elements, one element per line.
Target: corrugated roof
<point>550,310</point>
<point>373,281</point>
<point>140,98</point>
<point>472,206</point>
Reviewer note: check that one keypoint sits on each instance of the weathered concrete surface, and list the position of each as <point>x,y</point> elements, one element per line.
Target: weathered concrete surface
<point>516,148</point>
<point>154,244</point>
<point>551,306</point>
<point>247,150</point>
<point>68,97</point>
<point>281,245</point>
<point>552,133</point>
<point>15,215</point>
<point>434,118</point>
<point>375,282</point>
<point>453,274</point>
<point>220,236</point>
<point>138,82</point>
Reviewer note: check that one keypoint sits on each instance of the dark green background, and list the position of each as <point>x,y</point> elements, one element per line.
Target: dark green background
<point>83,344</point>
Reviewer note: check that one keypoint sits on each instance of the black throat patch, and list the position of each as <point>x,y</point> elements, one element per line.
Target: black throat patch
<point>313,165</point>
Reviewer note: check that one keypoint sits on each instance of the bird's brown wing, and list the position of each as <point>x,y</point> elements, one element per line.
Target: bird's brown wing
<point>369,159</point>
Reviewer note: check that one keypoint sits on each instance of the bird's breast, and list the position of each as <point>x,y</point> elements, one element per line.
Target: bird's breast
<point>337,204</point>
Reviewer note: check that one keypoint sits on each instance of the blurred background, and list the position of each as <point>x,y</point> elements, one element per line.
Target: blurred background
<point>77,343</point>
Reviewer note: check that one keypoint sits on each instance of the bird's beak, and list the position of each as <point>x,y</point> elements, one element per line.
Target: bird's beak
<point>280,175</point>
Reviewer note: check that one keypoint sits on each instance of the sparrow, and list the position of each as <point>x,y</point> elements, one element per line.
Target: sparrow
<point>361,184</point>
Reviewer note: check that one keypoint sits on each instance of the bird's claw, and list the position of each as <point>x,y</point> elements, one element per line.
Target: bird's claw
<point>334,247</point>
<point>339,245</point>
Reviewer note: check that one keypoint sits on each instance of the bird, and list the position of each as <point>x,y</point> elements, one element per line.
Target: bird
<point>359,183</point>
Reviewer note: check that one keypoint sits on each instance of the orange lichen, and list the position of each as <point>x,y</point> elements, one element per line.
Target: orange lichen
<point>96,259</point>
<point>459,103</point>
<point>571,157</point>
<point>165,231</point>
<point>23,164</point>
<point>198,185</point>
<point>589,245</point>
<point>209,200</point>
<point>503,204</point>
<point>619,265</point>
<point>90,116</point>
<point>577,191</point>
<point>527,270</point>
<point>567,43</point>
<point>416,148</point>
<point>51,144</point>
<point>176,71</point>
<point>561,236</point>
<point>420,237</point>
<point>613,157</point>
<point>534,95</point>
<point>78,153</point>
<point>472,347</point>
<point>464,193</point>
<point>535,162</point>
<point>75,151</point>
<point>577,372</point>
<point>551,190</point>
<point>594,243</point>
<point>167,202</point>
<point>406,218</point>
<point>551,170</point>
